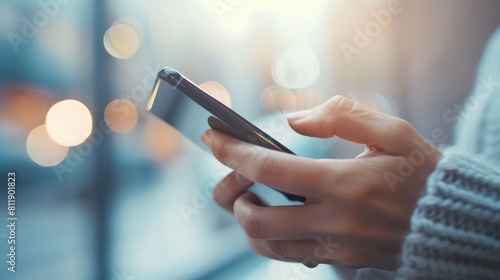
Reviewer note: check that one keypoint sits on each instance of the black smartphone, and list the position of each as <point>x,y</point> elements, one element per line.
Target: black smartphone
<point>186,107</point>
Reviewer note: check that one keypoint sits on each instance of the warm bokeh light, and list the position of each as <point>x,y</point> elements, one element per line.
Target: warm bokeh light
<point>25,106</point>
<point>121,115</point>
<point>296,67</point>
<point>69,122</point>
<point>276,98</point>
<point>42,149</point>
<point>121,41</point>
<point>217,91</point>
<point>134,24</point>
<point>162,141</point>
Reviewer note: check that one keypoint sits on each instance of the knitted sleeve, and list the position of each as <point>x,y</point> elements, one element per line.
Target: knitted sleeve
<point>455,229</point>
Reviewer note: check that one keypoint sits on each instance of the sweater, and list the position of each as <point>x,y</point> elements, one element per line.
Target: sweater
<point>455,228</point>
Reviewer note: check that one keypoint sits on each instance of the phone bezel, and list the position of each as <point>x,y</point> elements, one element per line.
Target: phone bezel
<point>219,110</point>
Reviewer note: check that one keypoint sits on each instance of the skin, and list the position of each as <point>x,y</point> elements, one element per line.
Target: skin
<point>354,216</point>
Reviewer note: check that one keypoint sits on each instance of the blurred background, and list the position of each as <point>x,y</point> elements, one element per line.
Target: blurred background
<point>105,191</point>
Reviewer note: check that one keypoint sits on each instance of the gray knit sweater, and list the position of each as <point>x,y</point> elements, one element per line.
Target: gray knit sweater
<point>455,229</point>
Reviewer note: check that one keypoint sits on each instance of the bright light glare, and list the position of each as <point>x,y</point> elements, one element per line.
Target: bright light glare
<point>121,41</point>
<point>296,67</point>
<point>121,115</point>
<point>297,12</point>
<point>69,122</point>
<point>218,92</point>
<point>42,149</point>
<point>235,18</point>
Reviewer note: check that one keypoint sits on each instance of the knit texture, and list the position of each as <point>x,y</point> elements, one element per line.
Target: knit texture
<point>455,228</point>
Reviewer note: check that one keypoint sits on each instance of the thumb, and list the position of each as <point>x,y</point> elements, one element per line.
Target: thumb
<point>349,120</point>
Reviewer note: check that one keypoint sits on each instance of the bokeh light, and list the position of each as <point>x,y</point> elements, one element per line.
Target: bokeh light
<point>217,91</point>
<point>162,141</point>
<point>121,115</point>
<point>277,98</point>
<point>24,106</point>
<point>296,67</point>
<point>121,41</point>
<point>69,122</point>
<point>42,149</point>
<point>134,24</point>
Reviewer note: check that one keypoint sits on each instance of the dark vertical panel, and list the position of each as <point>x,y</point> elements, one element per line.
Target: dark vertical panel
<point>103,185</point>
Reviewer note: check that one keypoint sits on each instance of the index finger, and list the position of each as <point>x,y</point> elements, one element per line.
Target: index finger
<point>282,171</point>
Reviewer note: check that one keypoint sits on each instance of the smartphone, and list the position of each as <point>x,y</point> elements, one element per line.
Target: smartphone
<point>182,104</point>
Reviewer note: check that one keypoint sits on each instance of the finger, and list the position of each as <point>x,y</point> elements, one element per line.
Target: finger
<point>229,189</point>
<point>285,172</point>
<point>309,252</point>
<point>308,222</point>
<point>274,223</point>
<point>258,247</point>
<point>313,252</point>
<point>342,117</point>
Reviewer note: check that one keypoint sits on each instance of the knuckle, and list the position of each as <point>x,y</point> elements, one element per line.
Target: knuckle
<point>218,197</point>
<point>252,225</point>
<point>340,104</point>
<point>222,189</point>
<point>265,167</point>
<point>338,109</point>
<point>277,248</point>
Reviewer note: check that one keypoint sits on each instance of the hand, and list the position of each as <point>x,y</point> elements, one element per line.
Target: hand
<point>357,211</point>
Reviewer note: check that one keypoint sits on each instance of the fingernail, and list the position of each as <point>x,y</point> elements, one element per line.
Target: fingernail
<point>206,138</point>
<point>295,116</point>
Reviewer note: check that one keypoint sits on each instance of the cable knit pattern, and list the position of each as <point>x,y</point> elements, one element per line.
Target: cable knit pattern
<point>455,228</point>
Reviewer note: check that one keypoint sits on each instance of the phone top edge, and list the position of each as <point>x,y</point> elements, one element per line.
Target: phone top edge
<point>174,78</point>
<point>154,91</point>
<point>170,75</point>
<point>167,74</point>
